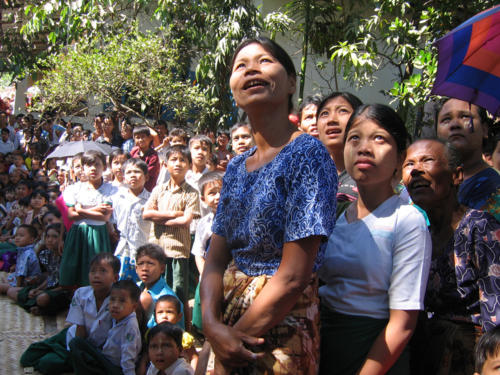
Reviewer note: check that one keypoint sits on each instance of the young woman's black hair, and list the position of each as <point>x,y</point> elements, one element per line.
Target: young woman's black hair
<point>385,117</point>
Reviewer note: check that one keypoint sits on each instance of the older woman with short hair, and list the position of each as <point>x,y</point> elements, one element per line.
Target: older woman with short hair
<point>463,288</point>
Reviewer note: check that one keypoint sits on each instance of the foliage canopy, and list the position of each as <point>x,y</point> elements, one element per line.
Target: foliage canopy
<point>206,33</point>
<point>359,38</point>
<point>400,34</point>
<point>136,72</point>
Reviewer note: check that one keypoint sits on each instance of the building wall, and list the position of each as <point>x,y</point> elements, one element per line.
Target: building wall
<point>316,83</point>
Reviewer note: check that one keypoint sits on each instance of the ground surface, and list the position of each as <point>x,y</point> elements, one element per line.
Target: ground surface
<point>18,329</point>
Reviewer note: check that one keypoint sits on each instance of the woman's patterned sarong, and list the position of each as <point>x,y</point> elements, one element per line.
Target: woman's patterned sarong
<point>292,346</point>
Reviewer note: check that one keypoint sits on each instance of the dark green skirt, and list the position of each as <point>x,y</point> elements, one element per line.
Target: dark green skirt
<point>82,243</point>
<point>197,322</point>
<point>48,356</point>
<point>59,300</point>
<point>346,341</point>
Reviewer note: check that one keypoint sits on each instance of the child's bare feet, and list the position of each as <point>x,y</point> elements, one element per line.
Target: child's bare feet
<point>35,310</point>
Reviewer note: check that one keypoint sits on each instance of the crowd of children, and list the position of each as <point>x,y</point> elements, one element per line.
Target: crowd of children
<point>110,238</point>
<point>121,239</point>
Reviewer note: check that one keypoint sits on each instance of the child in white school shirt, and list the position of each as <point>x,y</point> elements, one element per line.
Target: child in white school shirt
<point>89,315</point>
<point>123,344</point>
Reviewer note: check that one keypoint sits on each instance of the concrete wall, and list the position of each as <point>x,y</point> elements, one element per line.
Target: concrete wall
<point>325,83</point>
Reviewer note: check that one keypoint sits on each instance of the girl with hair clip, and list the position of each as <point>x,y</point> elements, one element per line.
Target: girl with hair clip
<point>89,206</point>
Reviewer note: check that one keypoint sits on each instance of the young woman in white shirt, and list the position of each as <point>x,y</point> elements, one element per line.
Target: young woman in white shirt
<point>377,259</point>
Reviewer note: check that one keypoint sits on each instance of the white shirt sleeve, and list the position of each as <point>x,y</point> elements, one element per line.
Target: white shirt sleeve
<point>130,348</point>
<point>69,194</point>
<point>411,261</point>
<point>203,232</point>
<point>76,314</point>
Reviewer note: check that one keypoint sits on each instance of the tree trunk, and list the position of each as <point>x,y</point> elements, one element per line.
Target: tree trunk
<point>305,49</point>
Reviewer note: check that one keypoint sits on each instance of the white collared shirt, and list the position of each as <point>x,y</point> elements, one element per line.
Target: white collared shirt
<point>123,344</point>
<point>6,147</point>
<point>84,194</point>
<point>203,233</point>
<point>192,178</point>
<point>179,367</point>
<point>83,312</point>
<point>127,214</point>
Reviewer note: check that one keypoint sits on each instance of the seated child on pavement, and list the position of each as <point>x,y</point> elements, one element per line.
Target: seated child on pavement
<point>88,314</point>
<point>47,297</point>
<point>123,344</point>
<point>27,266</point>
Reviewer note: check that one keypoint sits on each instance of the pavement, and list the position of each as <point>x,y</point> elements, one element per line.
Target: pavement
<point>18,329</point>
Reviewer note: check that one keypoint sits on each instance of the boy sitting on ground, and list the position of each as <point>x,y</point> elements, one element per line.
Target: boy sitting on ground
<point>123,344</point>
<point>89,314</point>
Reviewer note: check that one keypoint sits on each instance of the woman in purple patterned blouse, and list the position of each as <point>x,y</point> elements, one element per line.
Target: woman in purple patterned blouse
<point>462,297</point>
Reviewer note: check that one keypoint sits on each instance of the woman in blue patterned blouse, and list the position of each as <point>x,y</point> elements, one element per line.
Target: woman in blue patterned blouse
<point>277,206</point>
<point>463,290</point>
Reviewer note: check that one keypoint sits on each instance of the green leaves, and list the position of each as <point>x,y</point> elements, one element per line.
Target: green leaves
<point>399,35</point>
<point>138,73</point>
<point>203,33</point>
<point>355,63</point>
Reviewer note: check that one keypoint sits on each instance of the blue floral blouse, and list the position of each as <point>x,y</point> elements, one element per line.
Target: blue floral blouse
<point>290,198</point>
<point>464,282</point>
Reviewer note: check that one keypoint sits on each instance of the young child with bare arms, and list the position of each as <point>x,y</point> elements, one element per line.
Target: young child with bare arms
<point>168,309</point>
<point>89,205</point>
<point>150,266</point>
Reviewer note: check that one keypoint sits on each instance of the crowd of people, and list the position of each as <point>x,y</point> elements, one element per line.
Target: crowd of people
<point>335,245</point>
<point>140,204</point>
